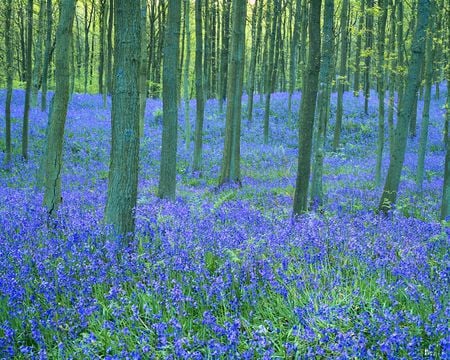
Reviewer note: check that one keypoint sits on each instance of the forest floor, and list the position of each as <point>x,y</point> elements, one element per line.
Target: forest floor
<point>224,273</point>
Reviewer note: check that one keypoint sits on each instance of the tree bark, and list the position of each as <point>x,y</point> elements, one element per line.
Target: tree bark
<point>230,169</point>
<point>168,171</point>
<point>389,196</point>
<point>55,133</point>
<point>199,86</point>
<point>48,55</point>
<point>187,64</point>
<point>124,160</point>
<point>9,78</point>
<point>307,111</point>
<point>26,112</point>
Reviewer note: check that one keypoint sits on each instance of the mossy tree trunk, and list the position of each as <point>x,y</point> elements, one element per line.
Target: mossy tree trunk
<point>323,101</point>
<point>187,64</point>
<point>199,86</point>
<point>9,78</point>
<point>390,190</point>
<point>38,55</point>
<point>230,169</point>
<point>342,74</point>
<point>307,111</point>
<point>168,167</point>
<point>124,158</point>
<point>48,54</point>
<point>26,112</point>
<point>55,132</point>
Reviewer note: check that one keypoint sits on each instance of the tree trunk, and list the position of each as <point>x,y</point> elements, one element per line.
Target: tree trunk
<point>368,51</point>
<point>256,43</point>
<point>270,68</point>
<point>307,111</point>
<point>342,75</point>
<point>294,56</point>
<point>401,132</point>
<point>9,78</point>
<point>38,55</point>
<point>143,67</point>
<point>199,86</point>
<point>187,64</point>
<point>109,58</point>
<point>356,81</point>
<point>429,52</point>
<point>392,76</point>
<point>230,169</point>
<point>381,89</point>
<point>324,98</point>
<point>48,55</point>
<point>26,112</point>
<point>168,170</point>
<point>55,132</point>
<point>124,160</point>
<point>224,53</point>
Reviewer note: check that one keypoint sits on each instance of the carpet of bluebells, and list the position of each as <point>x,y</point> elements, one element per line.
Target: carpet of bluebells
<point>223,273</point>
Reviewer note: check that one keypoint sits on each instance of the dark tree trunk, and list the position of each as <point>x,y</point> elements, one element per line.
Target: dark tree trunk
<point>55,132</point>
<point>9,78</point>
<point>307,111</point>
<point>199,89</point>
<point>26,112</point>
<point>48,55</point>
<point>401,132</point>
<point>168,171</point>
<point>124,161</point>
<point>230,169</point>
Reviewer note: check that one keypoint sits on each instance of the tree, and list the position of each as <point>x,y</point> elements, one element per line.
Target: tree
<point>38,55</point>
<point>368,51</point>
<point>199,89</point>
<point>168,168</point>
<point>9,78</point>
<point>143,67</point>
<point>48,54</point>
<point>55,132</point>
<point>187,122</point>
<point>342,74</point>
<point>294,55</point>
<point>356,82</point>
<point>307,111</point>
<point>26,112</point>
<point>124,159</point>
<point>429,55</point>
<point>224,52</point>
<point>230,169</point>
<point>323,101</point>
<point>256,42</point>
<point>270,67</point>
<point>381,89</point>
<point>391,185</point>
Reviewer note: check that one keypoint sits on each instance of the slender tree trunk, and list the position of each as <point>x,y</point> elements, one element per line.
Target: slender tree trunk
<point>168,171</point>
<point>400,57</point>
<point>368,51</point>
<point>294,56</point>
<point>230,169</point>
<point>124,163</point>
<point>55,132</point>
<point>381,89</point>
<point>199,89</point>
<point>392,76</point>
<point>324,98</point>
<point>401,132</point>
<point>256,43</point>
<point>270,69</point>
<point>224,53</point>
<point>307,111</point>
<point>109,59</point>
<point>48,55</point>
<point>429,52</point>
<point>187,64</point>
<point>38,55</point>
<point>9,78</point>
<point>143,67</point>
<point>87,26</point>
<point>101,56</point>
<point>342,75</point>
<point>26,113</point>
<point>356,82</point>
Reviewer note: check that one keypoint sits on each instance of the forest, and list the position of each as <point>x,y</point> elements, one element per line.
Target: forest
<point>224,179</point>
